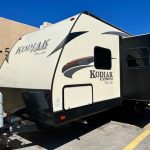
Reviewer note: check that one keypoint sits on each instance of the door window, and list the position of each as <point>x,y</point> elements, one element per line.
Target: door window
<point>102,58</point>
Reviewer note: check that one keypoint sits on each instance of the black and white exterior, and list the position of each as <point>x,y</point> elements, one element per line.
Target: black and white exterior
<point>76,68</point>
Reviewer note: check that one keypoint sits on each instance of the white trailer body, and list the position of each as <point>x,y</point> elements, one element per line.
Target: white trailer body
<point>60,61</point>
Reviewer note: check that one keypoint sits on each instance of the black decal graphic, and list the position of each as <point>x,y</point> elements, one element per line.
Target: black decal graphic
<point>69,73</point>
<point>66,40</point>
<point>70,68</point>
<point>117,33</point>
<point>74,35</point>
<point>58,47</point>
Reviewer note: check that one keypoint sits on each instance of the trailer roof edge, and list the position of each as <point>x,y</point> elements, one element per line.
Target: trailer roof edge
<point>90,14</point>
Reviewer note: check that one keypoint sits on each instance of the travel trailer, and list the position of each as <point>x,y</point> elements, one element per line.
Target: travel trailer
<point>72,69</point>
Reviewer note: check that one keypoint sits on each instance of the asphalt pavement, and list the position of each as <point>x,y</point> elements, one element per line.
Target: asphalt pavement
<point>110,130</point>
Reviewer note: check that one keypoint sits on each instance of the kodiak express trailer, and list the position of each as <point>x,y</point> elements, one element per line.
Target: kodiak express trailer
<point>72,69</point>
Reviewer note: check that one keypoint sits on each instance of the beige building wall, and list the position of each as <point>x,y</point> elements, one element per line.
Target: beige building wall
<point>10,32</point>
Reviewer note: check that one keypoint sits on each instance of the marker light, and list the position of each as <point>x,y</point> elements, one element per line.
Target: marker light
<point>62,117</point>
<point>72,19</point>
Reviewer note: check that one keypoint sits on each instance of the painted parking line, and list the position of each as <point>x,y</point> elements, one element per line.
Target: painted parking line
<point>137,140</point>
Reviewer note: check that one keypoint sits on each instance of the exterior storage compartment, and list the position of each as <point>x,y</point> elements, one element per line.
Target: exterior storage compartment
<point>77,95</point>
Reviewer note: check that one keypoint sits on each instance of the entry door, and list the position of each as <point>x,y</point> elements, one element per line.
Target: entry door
<point>135,67</point>
<point>105,75</point>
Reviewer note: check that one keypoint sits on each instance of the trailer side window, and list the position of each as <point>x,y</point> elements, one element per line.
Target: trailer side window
<point>102,58</point>
<point>138,58</point>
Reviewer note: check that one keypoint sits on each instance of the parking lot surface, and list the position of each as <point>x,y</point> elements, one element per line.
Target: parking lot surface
<point>111,130</point>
